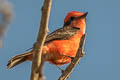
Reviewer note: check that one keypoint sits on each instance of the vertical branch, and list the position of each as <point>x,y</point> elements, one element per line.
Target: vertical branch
<point>35,74</point>
<point>72,65</point>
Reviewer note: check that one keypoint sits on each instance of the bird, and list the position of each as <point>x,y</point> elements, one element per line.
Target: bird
<point>61,45</point>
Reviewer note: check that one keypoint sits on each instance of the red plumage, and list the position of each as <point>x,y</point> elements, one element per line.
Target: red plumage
<point>61,43</point>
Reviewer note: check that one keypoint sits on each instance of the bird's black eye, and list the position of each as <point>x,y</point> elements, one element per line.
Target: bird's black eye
<point>72,18</point>
<point>69,21</point>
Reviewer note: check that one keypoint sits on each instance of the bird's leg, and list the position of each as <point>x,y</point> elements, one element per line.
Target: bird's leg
<point>60,68</point>
<point>72,58</point>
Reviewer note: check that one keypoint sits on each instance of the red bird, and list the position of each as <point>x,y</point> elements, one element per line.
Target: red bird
<point>61,44</point>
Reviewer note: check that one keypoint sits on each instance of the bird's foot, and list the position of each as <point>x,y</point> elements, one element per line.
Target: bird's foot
<point>60,69</point>
<point>72,58</point>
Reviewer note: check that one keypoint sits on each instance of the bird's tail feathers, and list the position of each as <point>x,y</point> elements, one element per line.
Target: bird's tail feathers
<point>18,59</point>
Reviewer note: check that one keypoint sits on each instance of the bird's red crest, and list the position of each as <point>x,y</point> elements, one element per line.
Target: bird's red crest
<point>73,13</point>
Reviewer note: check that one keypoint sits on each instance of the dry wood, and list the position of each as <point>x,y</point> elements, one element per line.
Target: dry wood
<point>36,73</point>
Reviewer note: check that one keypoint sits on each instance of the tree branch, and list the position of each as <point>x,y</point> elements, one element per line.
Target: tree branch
<point>72,65</point>
<point>36,74</point>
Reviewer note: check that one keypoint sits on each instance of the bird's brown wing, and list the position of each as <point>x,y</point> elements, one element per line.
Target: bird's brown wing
<point>62,34</point>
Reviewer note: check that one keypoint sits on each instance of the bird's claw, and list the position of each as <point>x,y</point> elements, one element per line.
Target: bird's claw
<point>60,69</point>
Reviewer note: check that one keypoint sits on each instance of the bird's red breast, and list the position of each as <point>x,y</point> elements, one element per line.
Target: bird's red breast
<point>59,50</point>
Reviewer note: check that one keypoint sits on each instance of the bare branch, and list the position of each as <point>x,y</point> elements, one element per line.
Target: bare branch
<point>36,73</point>
<point>72,65</point>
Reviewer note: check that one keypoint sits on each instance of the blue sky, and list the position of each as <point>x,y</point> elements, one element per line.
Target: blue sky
<point>99,63</point>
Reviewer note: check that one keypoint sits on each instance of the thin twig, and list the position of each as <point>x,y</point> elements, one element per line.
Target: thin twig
<point>72,65</point>
<point>36,73</point>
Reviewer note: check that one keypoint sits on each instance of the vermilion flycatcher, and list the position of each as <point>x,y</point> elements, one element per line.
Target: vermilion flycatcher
<point>59,44</point>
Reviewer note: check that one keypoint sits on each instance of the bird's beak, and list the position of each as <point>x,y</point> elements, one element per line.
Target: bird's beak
<point>85,14</point>
<point>82,16</point>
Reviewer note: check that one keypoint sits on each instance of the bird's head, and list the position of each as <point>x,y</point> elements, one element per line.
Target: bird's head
<point>76,19</point>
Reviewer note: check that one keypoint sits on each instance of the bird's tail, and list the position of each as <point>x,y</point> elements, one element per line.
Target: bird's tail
<point>18,59</point>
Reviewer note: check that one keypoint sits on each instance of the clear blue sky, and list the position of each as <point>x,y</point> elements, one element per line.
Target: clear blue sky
<point>100,63</point>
